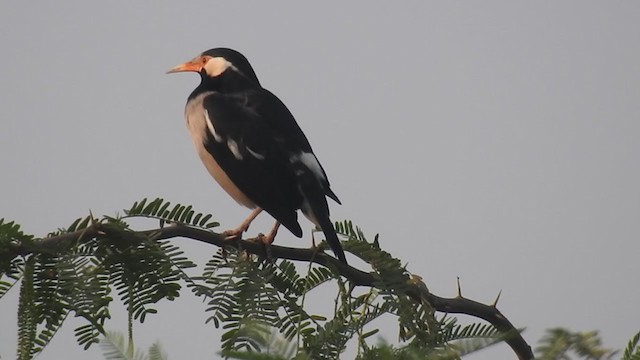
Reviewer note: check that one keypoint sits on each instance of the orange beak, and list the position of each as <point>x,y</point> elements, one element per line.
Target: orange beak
<point>194,65</point>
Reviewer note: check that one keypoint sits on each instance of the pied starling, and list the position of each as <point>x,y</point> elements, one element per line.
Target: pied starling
<point>252,146</point>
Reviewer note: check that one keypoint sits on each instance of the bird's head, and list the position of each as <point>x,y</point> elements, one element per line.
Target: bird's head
<point>220,66</point>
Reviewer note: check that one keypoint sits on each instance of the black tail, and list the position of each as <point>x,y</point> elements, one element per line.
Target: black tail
<point>316,209</point>
<point>332,238</point>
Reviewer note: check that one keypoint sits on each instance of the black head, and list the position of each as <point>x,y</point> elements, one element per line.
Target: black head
<point>221,69</point>
<point>237,61</point>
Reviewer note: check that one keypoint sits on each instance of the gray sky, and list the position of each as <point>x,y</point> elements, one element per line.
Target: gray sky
<point>496,141</point>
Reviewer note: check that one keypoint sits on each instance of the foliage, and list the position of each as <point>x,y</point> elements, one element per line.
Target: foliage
<point>255,301</point>
<point>559,343</point>
<point>260,304</point>
<point>80,277</point>
<point>11,266</point>
<point>114,347</point>
<point>632,352</point>
<point>281,349</point>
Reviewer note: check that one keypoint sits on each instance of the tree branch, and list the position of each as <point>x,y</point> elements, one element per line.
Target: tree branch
<point>457,305</point>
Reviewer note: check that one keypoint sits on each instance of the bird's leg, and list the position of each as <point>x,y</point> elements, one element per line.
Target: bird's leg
<point>313,240</point>
<point>315,230</point>
<point>234,233</point>
<point>314,246</point>
<point>268,239</point>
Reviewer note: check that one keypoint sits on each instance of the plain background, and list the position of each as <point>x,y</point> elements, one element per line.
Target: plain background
<point>496,141</point>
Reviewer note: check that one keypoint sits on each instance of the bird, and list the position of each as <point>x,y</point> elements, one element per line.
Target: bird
<point>253,147</point>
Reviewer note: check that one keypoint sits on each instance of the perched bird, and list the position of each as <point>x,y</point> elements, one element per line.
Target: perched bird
<point>252,146</point>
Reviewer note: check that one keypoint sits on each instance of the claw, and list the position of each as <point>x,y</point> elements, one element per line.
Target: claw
<point>313,240</point>
<point>233,234</point>
<point>271,236</point>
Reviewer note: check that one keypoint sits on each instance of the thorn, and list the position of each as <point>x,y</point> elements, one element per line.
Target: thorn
<point>495,302</point>
<point>459,288</point>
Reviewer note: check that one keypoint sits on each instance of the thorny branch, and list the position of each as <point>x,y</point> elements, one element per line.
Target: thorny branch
<point>419,292</point>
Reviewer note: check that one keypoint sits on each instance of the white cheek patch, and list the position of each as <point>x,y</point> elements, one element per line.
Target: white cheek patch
<point>233,146</point>
<point>216,66</point>
<point>311,162</point>
<point>217,137</point>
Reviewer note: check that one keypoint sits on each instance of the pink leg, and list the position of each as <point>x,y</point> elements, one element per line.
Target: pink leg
<point>234,233</point>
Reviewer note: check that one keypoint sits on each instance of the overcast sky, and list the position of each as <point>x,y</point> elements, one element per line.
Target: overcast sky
<point>497,141</point>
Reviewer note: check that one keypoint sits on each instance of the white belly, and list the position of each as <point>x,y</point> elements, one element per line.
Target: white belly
<point>197,129</point>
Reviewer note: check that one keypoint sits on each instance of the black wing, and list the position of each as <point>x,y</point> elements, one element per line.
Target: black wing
<point>246,149</point>
<point>279,118</point>
<point>257,142</point>
<point>311,179</point>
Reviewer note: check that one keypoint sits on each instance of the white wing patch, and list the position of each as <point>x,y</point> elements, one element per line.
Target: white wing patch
<point>311,162</point>
<point>255,154</point>
<point>233,146</point>
<point>217,137</point>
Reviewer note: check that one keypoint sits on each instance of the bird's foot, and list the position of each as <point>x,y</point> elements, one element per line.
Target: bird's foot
<point>233,233</point>
<point>270,237</point>
<point>265,239</point>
